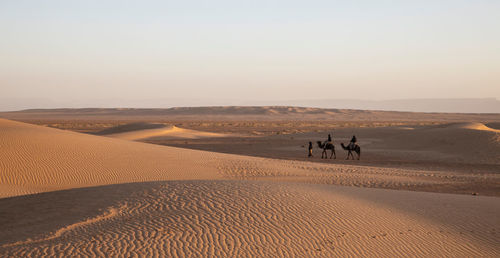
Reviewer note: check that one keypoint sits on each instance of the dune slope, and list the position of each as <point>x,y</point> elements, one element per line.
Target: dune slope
<point>38,159</point>
<point>166,132</point>
<point>239,218</point>
<point>479,126</point>
<point>193,210</point>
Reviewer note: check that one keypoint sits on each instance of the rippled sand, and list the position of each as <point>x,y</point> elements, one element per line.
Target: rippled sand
<point>126,198</point>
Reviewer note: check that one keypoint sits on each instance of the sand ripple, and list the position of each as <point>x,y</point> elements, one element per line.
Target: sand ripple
<point>238,218</point>
<point>131,199</point>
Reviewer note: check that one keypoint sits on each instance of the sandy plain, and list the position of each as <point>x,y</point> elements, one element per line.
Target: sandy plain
<point>247,190</point>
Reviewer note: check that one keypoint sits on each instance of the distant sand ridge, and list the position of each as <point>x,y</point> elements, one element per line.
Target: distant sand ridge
<point>478,126</point>
<point>161,132</point>
<point>248,113</point>
<point>193,209</point>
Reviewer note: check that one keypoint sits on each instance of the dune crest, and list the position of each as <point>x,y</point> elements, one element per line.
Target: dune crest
<point>477,126</point>
<point>38,159</point>
<point>164,132</point>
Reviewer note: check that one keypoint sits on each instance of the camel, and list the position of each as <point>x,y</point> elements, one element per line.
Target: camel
<point>327,146</point>
<point>350,148</point>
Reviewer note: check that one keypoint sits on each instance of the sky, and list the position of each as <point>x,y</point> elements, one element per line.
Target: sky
<point>87,52</point>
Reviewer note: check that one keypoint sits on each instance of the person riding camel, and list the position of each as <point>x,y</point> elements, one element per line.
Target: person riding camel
<point>329,141</point>
<point>353,141</point>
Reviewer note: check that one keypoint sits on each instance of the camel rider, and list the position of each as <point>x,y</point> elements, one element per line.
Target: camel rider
<point>329,141</point>
<point>353,141</point>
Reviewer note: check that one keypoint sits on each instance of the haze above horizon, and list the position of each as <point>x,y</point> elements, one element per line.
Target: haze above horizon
<point>79,53</point>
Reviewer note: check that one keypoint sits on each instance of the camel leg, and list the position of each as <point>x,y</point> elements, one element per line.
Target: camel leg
<point>348,153</point>
<point>334,155</point>
<point>331,155</point>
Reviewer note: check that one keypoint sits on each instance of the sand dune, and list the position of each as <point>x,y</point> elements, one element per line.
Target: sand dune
<point>38,159</point>
<point>268,208</point>
<point>238,218</point>
<point>477,126</point>
<point>164,132</point>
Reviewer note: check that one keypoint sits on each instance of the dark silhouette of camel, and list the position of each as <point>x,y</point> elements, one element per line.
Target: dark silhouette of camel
<point>350,148</point>
<point>327,146</point>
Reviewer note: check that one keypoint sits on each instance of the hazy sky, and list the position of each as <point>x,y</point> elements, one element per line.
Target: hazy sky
<point>261,50</point>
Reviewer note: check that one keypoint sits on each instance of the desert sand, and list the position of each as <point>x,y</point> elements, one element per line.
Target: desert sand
<point>240,113</point>
<point>67,193</point>
<point>164,133</point>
